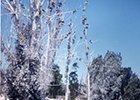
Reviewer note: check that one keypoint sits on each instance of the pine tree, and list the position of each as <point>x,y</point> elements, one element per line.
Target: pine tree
<point>22,76</point>
<point>106,77</point>
<point>14,72</point>
<point>56,88</point>
<point>132,89</point>
<point>3,84</point>
<point>74,82</point>
<point>127,73</point>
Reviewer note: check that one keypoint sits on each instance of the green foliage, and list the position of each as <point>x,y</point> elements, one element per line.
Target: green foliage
<point>110,81</point>
<point>132,89</point>
<point>22,76</point>
<point>2,81</point>
<point>106,77</point>
<point>97,60</point>
<point>73,82</point>
<point>13,73</point>
<point>56,88</point>
<point>127,73</point>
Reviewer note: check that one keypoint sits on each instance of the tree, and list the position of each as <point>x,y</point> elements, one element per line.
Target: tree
<point>74,82</point>
<point>127,73</point>
<point>132,89</point>
<point>22,75</point>
<point>106,77</point>
<point>110,81</point>
<point>40,27</point>
<point>13,73</point>
<point>3,85</point>
<point>56,88</point>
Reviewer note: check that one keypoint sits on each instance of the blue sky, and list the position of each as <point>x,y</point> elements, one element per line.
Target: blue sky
<point>115,24</point>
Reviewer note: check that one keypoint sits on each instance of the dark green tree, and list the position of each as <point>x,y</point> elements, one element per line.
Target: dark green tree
<point>110,81</point>
<point>73,82</point>
<point>56,87</point>
<point>132,89</point>
<point>2,82</point>
<point>22,75</point>
<point>106,77</point>
<point>13,73</point>
<point>127,74</point>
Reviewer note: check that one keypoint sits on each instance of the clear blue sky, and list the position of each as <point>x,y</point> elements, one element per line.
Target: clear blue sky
<point>116,26</point>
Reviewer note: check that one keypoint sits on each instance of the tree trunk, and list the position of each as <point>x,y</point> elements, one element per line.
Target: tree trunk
<point>88,86</point>
<point>67,87</point>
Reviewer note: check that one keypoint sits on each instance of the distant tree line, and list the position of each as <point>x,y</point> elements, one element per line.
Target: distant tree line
<point>108,81</point>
